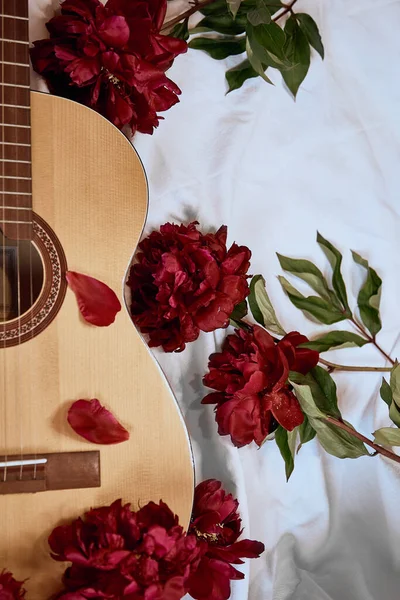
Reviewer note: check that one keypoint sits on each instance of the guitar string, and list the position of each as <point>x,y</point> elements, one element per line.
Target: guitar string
<point>4,316</point>
<point>33,433</point>
<point>15,79</point>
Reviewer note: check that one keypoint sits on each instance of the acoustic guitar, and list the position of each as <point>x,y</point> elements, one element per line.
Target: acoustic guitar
<point>73,196</point>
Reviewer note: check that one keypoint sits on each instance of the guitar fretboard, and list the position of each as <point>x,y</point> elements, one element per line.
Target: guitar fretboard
<point>15,132</point>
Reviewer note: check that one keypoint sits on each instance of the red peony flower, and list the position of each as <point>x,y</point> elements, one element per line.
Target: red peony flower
<point>217,524</point>
<point>249,376</point>
<point>117,553</point>
<point>111,58</point>
<point>184,282</point>
<point>10,589</point>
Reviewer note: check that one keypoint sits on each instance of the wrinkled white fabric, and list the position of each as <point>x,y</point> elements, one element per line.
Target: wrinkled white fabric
<point>276,171</point>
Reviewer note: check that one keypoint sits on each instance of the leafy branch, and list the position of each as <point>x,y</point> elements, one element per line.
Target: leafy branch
<point>316,391</point>
<point>378,449</point>
<point>198,6</point>
<point>238,26</point>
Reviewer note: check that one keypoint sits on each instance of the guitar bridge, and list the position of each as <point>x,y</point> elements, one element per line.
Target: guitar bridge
<point>45,472</point>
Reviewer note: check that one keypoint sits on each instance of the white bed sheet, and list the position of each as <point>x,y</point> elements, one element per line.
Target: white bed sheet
<point>275,171</point>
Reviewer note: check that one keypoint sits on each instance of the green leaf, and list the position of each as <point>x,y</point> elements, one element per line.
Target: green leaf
<point>260,14</point>
<point>386,392</point>
<point>218,7</point>
<point>387,436</point>
<point>395,383</point>
<point>307,432</point>
<point>225,24</point>
<point>239,74</point>
<point>233,6</point>
<point>239,311</point>
<point>317,307</point>
<point>310,30</point>
<point>220,47</point>
<point>334,440</point>
<point>308,272</point>
<point>335,259</point>
<point>180,30</point>
<point>256,64</point>
<point>394,414</point>
<point>281,438</point>
<point>335,339</point>
<point>369,297</point>
<point>297,50</point>
<point>267,42</point>
<point>387,396</point>
<point>323,389</point>
<point>261,307</point>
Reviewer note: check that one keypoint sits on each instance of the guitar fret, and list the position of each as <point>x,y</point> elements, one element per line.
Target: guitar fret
<point>18,193</point>
<point>14,64</point>
<point>14,222</point>
<point>24,162</point>
<point>14,41</point>
<point>15,177</point>
<point>17,85</point>
<point>14,17</point>
<point>14,106</point>
<point>15,125</point>
<point>14,144</point>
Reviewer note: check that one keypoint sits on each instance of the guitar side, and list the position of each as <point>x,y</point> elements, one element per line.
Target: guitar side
<point>90,187</point>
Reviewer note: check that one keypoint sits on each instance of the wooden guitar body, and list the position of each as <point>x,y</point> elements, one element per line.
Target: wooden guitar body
<point>90,188</point>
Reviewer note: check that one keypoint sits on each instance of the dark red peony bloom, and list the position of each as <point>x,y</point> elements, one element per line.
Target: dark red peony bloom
<point>117,553</point>
<point>111,58</point>
<point>10,589</point>
<point>184,282</point>
<point>217,524</point>
<point>249,376</point>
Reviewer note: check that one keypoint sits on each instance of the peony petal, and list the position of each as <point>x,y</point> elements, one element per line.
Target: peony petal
<point>114,31</point>
<point>286,408</point>
<point>97,302</point>
<point>95,423</point>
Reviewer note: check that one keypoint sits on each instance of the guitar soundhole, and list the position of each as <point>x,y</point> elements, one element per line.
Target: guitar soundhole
<point>21,277</point>
<point>32,284</point>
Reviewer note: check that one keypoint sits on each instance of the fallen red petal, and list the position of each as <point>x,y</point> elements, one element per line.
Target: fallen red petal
<point>97,302</point>
<point>95,423</point>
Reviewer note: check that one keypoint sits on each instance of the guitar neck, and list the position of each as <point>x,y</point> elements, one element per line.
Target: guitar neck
<point>15,132</point>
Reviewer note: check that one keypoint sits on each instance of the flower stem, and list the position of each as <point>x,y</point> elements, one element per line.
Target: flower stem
<point>371,339</point>
<point>286,8</point>
<point>378,449</point>
<point>334,367</point>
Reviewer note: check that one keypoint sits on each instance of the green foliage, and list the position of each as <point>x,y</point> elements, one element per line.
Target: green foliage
<point>282,441</point>
<point>181,30</point>
<point>220,47</point>
<point>335,339</point>
<point>320,309</point>
<point>297,51</point>
<point>268,41</point>
<point>238,313</point>
<point>391,394</point>
<point>335,259</point>
<point>333,439</point>
<point>310,29</point>
<point>239,74</point>
<point>261,306</point>
<point>387,436</point>
<point>369,297</point>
